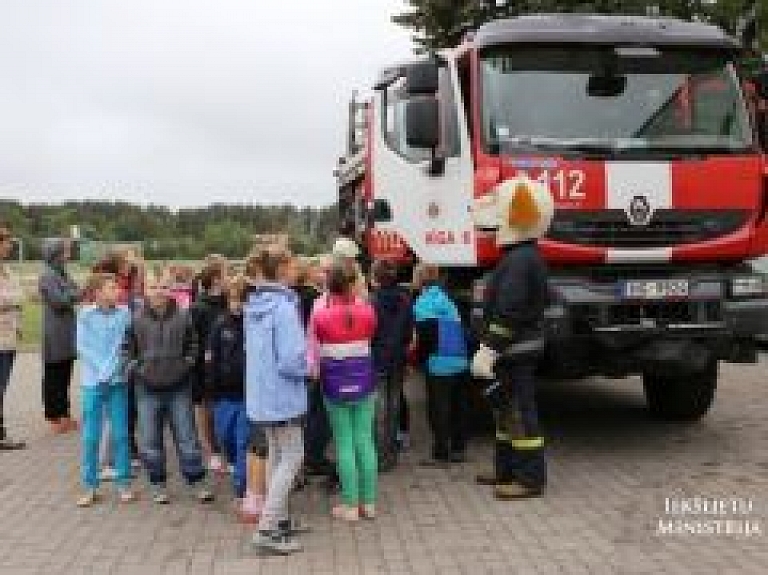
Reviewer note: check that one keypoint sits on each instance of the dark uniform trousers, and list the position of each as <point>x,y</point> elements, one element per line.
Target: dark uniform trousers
<point>519,448</point>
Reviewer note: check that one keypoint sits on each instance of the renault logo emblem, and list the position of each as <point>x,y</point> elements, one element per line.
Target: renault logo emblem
<point>640,211</point>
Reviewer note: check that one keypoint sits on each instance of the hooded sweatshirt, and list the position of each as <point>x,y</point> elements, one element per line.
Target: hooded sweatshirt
<point>441,336</point>
<point>60,295</point>
<point>11,298</point>
<point>100,335</point>
<point>394,313</point>
<point>276,356</point>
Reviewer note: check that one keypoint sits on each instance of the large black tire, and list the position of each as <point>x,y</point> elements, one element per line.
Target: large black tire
<point>681,397</point>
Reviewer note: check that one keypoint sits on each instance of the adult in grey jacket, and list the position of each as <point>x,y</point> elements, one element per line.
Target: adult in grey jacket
<point>11,298</point>
<point>60,296</point>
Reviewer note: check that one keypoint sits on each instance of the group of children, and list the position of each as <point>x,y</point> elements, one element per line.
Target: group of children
<point>251,371</point>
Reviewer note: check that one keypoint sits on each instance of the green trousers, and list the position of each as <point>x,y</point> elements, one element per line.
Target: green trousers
<point>356,459</point>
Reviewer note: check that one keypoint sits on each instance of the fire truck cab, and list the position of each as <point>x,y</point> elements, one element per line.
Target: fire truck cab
<point>653,145</point>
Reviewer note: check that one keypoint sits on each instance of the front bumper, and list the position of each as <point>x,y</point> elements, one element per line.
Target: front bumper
<point>591,330</point>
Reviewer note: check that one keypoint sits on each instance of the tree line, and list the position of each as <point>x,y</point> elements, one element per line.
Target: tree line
<point>188,233</point>
<point>442,23</point>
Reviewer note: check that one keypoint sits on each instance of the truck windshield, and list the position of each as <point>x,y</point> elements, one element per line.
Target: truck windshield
<point>585,99</point>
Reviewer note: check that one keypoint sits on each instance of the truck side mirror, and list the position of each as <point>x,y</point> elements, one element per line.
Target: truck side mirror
<point>422,123</point>
<point>421,79</point>
<point>381,211</point>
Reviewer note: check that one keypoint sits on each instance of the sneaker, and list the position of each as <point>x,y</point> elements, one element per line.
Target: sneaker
<point>216,464</point>
<point>486,477</point>
<point>275,543</point>
<point>8,444</point>
<point>368,511</point>
<point>69,425</point>
<point>160,495</point>
<point>136,463</point>
<point>231,469</point>
<point>345,513</point>
<point>458,457</point>
<point>513,490</point>
<point>88,499</point>
<point>319,468</point>
<point>436,462</point>
<point>300,482</point>
<point>205,493</point>
<point>403,441</point>
<point>250,511</point>
<point>294,526</point>
<point>108,474</point>
<point>126,496</point>
<point>57,426</point>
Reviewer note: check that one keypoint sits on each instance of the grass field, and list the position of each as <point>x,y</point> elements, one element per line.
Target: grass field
<point>31,327</point>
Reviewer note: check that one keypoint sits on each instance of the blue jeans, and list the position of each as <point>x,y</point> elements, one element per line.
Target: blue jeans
<point>155,409</point>
<point>230,424</point>
<point>95,401</point>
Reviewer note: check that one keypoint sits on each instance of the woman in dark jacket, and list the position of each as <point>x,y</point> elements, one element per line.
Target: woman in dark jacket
<point>60,296</point>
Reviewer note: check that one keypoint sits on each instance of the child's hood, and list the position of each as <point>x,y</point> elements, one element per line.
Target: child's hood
<point>266,298</point>
<point>433,303</point>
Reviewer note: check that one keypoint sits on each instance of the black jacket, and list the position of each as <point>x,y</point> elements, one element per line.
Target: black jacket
<point>517,292</point>
<point>394,327</point>
<point>204,313</point>
<point>225,359</point>
<point>307,296</point>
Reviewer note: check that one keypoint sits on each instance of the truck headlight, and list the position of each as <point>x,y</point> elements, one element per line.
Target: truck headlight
<point>746,286</point>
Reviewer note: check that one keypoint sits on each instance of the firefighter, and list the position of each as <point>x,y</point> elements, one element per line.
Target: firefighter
<point>512,339</point>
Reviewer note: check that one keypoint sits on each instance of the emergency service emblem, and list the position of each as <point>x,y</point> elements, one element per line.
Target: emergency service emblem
<point>433,210</point>
<point>640,211</point>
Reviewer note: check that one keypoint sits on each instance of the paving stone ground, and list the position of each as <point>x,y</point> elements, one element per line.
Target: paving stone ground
<point>611,470</point>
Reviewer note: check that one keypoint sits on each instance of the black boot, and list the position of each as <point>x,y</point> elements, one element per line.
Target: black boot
<point>7,444</point>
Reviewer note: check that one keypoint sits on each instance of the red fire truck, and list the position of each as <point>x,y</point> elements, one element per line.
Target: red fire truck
<point>653,144</point>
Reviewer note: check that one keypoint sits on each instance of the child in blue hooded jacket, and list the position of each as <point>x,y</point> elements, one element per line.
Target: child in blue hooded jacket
<point>101,329</point>
<point>443,354</point>
<point>276,392</point>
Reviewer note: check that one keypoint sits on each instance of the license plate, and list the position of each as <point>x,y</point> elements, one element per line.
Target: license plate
<point>654,289</point>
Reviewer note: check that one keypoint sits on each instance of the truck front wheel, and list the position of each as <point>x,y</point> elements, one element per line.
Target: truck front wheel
<point>681,397</point>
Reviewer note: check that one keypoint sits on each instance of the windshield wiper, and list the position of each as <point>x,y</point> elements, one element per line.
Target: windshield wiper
<point>564,147</point>
<point>603,148</point>
<point>569,148</point>
<point>701,151</point>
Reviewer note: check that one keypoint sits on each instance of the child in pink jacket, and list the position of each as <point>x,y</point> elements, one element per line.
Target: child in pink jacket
<point>344,324</point>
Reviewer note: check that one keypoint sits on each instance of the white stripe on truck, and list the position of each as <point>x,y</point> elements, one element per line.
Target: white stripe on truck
<point>650,255</point>
<point>625,181</point>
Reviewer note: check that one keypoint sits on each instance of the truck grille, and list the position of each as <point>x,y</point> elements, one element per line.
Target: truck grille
<point>662,313</point>
<point>612,229</point>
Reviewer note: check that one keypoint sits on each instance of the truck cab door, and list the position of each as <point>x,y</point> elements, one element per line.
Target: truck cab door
<point>428,191</point>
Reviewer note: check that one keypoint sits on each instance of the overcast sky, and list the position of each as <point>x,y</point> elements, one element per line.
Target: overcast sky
<point>183,102</point>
